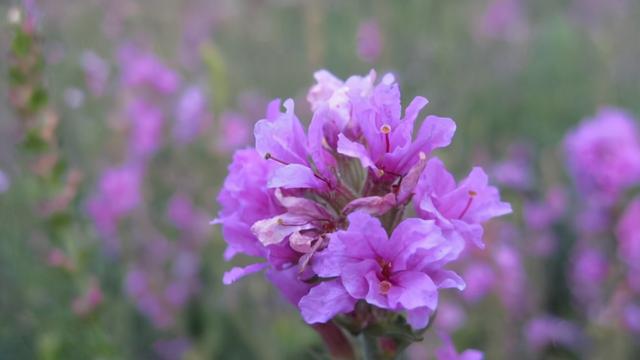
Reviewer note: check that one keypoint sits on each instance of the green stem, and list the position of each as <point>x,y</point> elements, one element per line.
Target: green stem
<point>370,348</point>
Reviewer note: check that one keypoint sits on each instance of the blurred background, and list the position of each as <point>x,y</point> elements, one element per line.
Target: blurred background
<point>120,118</point>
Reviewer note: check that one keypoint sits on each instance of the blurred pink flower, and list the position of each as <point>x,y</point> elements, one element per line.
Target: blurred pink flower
<point>369,40</point>
<point>234,132</point>
<point>503,20</point>
<point>96,72</point>
<point>191,116</point>
<point>147,123</point>
<point>5,183</point>
<point>546,331</point>
<point>89,300</point>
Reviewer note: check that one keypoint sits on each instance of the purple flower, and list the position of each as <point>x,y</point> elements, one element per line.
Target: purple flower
<point>369,40</point>
<point>5,183</point>
<point>119,189</point>
<point>590,269</point>
<point>515,170</point>
<point>451,316</point>
<point>191,115</point>
<point>181,211</point>
<point>628,235</point>
<point>545,331</point>
<point>459,209</point>
<point>541,215</point>
<point>503,19</point>
<point>234,131</point>
<point>388,135</point>
<point>631,317</point>
<point>147,128</point>
<point>512,278</point>
<point>402,272</point>
<point>144,69</point>
<point>246,199</point>
<point>96,72</point>
<point>449,352</point>
<point>171,349</point>
<point>603,154</point>
<point>480,279</point>
<point>284,141</point>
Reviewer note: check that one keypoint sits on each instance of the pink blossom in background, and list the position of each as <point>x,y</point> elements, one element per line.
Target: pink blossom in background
<point>512,279</point>
<point>515,171</point>
<point>451,316</point>
<point>603,154</point>
<point>171,349</point>
<point>588,272</point>
<point>180,211</point>
<point>234,131</point>
<point>89,300</point>
<point>140,68</point>
<point>540,215</point>
<point>594,13</point>
<point>448,351</point>
<point>5,183</point>
<point>480,279</point>
<point>118,193</point>
<point>628,235</point>
<point>96,72</point>
<point>546,330</point>
<point>503,20</point>
<point>147,122</point>
<point>191,115</point>
<point>369,40</point>
<point>631,317</point>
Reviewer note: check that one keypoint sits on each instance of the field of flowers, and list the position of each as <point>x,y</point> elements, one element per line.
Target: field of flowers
<point>288,179</point>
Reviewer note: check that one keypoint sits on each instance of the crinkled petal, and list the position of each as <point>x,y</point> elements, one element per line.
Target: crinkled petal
<point>411,290</point>
<point>287,281</point>
<point>237,273</point>
<point>295,176</point>
<point>353,277</point>
<point>355,150</point>
<point>324,301</point>
<point>418,318</point>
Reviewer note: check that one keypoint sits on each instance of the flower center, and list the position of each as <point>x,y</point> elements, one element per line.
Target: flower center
<point>472,195</point>
<point>385,286</point>
<point>386,130</point>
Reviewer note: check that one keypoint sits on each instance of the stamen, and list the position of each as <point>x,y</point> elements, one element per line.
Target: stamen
<point>386,129</point>
<point>268,156</point>
<point>472,194</point>
<point>385,286</point>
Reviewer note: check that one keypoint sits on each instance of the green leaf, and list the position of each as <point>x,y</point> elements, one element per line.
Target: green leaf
<point>34,142</point>
<point>22,43</point>
<point>39,99</point>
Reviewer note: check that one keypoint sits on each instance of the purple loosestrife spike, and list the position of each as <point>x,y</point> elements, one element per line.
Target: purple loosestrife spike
<point>603,154</point>
<point>307,204</point>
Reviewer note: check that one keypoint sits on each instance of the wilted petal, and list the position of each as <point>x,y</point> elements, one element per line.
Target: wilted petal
<point>373,205</point>
<point>274,230</point>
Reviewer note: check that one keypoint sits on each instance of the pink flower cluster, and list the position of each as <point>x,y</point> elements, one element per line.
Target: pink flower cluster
<point>325,208</point>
